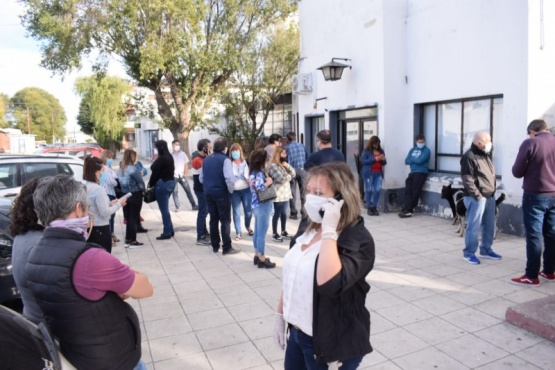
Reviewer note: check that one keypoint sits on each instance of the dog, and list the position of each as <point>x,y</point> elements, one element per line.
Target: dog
<point>454,197</point>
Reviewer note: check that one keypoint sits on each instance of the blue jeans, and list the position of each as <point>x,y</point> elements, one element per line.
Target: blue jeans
<point>111,197</point>
<point>163,190</point>
<point>299,354</point>
<point>280,213</point>
<point>538,214</point>
<point>239,197</point>
<point>261,224</point>
<point>202,231</point>
<point>219,208</point>
<point>372,183</point>
<point>140,365</point>
<point>185,185</point>
<point>480,216</point>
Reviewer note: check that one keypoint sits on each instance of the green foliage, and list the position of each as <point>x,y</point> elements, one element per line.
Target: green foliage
<point>4,105</point>
<point>103,105</point>
<point>264,74</point>
<point>183,50</point>
<point>39,113</point>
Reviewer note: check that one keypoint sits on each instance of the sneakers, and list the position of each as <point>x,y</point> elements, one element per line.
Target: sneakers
<point>134,245</point>
<point>277,238</point>
<point>525,280</point>
<point>547,276</point>
<point>491,255</point>
<point>231,250</point>
<point>141,229</point>
<point>266,264</point>
<point>203,242</point>
<point>405,214</point>
<point>293,216</point>
<point>238,237</point>
<point>285,235</point>
<point>472,260</point>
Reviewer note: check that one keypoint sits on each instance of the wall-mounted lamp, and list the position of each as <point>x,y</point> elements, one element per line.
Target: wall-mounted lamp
<point>333,70</point>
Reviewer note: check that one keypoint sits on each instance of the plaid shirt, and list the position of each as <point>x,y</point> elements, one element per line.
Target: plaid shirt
<point>296,154</point>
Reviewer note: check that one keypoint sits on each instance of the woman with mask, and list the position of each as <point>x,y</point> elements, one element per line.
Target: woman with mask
<point>242,193</point>
<point>107,157</point>
<point>373,160</point>
<point>282,173</point>
<point>132,182</point>
<point>163,182</point>
<point>101,207</point>
<point>336,253</point>
<point>261,210</point>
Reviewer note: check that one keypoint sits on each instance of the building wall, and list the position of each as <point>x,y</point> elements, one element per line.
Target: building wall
<point>410,52</point>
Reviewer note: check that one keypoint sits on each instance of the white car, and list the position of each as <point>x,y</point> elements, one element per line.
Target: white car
<point>16,170</point>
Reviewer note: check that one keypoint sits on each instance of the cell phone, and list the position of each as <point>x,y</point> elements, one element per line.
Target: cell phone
<point>337,197</point>
<point>126,196</point>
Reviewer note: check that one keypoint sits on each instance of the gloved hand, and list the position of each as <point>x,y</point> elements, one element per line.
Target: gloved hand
<point>279,331</point>
<point>332,214</point>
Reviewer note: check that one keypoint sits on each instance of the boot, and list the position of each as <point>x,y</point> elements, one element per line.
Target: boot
<point>375,211</point>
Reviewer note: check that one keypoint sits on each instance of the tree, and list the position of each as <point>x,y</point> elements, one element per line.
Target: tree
<point>39,113</point>
<point>183,50</point>
<point>264,74</point>
<point>4,104</point>
<point>102,108</point>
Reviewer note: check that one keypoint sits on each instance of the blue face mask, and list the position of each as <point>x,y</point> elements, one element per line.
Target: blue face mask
<point>109,162</point>
<point>420,145</point>
<point>235,154</point>
<point>102,178</point>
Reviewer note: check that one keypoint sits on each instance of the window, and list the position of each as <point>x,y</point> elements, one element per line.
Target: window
<point>450,126</point>
<point>8,176</point>
<point>317,124</point>
<point>38,170</point>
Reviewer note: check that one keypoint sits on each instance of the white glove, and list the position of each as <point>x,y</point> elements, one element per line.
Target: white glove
<point>332,214</point>
<point>279,331</point>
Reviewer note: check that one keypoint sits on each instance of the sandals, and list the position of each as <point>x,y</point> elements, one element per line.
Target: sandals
<point>251,233</point>
<point>238,237</point>
<point>115,238</point>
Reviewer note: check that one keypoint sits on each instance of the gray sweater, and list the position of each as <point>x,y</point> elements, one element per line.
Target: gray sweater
<point>100,204</point>
<point>22,245</point>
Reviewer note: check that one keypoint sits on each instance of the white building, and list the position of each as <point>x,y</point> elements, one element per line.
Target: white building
<point>444,68</point>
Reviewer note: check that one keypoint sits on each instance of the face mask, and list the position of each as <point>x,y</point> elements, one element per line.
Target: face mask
<point>102,178</point>
<point>283,159</point>
<point>235,154</point>
<point>420,145</point>
<point>176,148</point>
<point>109,162</point>
<point>375,146</point>
<point>313,205</point>
<point>488,147</point>
<point>155,151</point>
<point>79,225</point>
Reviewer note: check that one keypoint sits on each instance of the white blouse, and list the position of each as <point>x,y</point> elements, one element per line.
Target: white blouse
<point>298,283</point>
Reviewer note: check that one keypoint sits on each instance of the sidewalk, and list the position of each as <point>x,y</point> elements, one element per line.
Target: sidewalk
<point>429,308</point>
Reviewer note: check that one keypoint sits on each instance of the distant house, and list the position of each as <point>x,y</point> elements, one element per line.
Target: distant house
<point>16,142</point>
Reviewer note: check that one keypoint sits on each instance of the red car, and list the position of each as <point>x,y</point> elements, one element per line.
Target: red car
<point>76,151</point>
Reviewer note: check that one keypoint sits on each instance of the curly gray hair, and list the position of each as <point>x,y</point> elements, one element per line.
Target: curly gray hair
<point>56,197</point>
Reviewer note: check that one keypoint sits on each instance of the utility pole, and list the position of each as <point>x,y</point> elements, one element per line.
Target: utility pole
<point>28,122</point>
<point>53,127</point>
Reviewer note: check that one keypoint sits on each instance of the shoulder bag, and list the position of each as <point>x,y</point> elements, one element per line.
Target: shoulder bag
<point>266,195</point>
<point>150,195</point>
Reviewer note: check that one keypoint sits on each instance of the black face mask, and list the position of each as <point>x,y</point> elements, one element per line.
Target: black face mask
<point>282,160</point>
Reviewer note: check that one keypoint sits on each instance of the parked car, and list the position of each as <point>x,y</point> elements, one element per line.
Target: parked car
<point>76,151</point>
<point>9,294</point>
<point>16,170</point>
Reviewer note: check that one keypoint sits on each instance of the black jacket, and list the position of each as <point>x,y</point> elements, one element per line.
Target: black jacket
<point>102,334</point>
<point>341,322</point>
<point>477,173</point>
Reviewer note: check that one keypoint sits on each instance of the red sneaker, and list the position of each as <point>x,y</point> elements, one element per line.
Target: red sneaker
<point>525,280</point>
<point>547,276</point>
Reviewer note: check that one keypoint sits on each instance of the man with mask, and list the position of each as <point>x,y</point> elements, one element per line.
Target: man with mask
<point>181,162</point>
<point>204,148</point>
<point>216,176</point>
<point>478,177</point>
<point>418,159</point>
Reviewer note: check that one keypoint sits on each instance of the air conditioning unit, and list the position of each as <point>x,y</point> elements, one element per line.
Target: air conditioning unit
<point>302,84</point>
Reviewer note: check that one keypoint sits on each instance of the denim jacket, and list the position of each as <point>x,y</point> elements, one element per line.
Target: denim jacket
<point>131,179</point>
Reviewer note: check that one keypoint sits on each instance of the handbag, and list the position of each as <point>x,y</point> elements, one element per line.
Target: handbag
<point>150,195</point>
<point>267,194</point>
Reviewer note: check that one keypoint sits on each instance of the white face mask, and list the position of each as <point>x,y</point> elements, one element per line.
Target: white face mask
<point>488,147</point>
<point>313,205</point>
<point>177,148</point>
<point>155,151</point>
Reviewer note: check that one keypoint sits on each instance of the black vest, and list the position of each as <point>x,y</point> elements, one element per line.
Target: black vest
<point>213,175</point>
<point>103,334</point>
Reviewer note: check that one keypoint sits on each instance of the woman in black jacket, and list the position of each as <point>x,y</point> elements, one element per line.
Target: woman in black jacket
<point>163,182</point>
<point>326,270</point>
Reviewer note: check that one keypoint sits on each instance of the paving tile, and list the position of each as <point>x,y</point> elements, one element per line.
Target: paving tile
<point>472,351</point>
<point>221,336</point>
<point>411,293</point>
<point>260,327</point>
<point>509,337</point>
<point>397,342</point>
<point>541,355</point>
<point>470,319</point>
<point>210,319</point>
<point>405,313</point>
<point>251,310</point>
<point>438,304</point>
<point>163,310</point>
<point>442,330</point>
<point>196,361</point>
<point>207,303</point>
<point>429,358</point>
<point>174,346</point>
<point>496,307</point>
<point>239,356</point>
<point>269,350</point>
<point>167,327</point>
<point>509,362</point>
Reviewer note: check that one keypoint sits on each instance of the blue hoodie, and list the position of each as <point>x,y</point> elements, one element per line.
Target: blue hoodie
<point>418,159</point>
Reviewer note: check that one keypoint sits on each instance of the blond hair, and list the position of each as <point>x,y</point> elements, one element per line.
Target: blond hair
<point>237,146</point>
<point>106,154</point>
<point>276,158</point>
<point>341,180</point>
<point>129,158</point>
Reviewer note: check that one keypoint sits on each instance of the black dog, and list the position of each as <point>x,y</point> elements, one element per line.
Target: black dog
<point>454,197</point>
